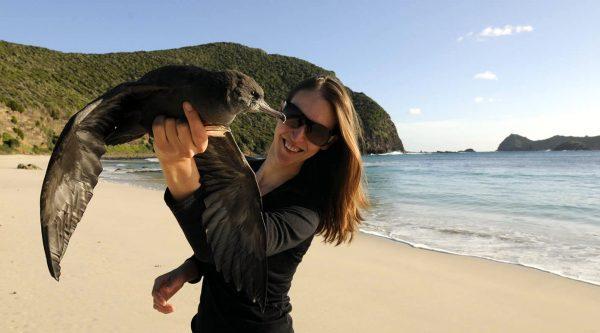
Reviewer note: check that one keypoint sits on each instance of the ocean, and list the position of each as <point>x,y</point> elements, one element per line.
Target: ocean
<point>536,209</point>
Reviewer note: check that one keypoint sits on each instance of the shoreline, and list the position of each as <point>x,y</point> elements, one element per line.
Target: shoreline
<point>372,233</point>
<point>373,284</point>
<point>416,246</point>
<point>425,248</point>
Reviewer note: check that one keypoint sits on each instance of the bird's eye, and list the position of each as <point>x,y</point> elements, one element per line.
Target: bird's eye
<point>255,94</point>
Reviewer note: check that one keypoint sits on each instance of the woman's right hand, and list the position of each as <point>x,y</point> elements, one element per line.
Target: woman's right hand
<point>175,144</point>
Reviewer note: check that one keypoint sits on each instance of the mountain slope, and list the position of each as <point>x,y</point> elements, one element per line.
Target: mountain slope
<point>41,88</point>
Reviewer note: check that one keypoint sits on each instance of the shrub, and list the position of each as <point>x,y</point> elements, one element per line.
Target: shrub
<point>54,114</point>
<point>37,150</point>
<point>19,132</point>
<point>12,143</point>
<point>13,105</point>
<point>149,144</point>
<point>52,138</point>
<point>13,120</point>
<point>9,142</point>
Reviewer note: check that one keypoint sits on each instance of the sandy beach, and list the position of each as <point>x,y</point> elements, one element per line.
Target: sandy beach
<point>128,237</point>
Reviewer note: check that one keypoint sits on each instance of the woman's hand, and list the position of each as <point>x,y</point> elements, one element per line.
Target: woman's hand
<point>175,144</point>
<point>166,285</point>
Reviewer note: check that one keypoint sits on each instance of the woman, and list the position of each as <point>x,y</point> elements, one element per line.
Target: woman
<point>311,183</point>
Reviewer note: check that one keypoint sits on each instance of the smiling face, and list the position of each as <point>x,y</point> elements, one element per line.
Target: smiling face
<point>290,146</point>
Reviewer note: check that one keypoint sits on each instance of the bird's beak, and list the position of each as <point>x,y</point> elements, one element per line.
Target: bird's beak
<point>265,108</point>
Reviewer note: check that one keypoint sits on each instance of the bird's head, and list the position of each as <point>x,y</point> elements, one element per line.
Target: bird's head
<point>245,95</point>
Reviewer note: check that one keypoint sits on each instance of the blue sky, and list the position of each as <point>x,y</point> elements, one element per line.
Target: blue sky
<point>453,75</point>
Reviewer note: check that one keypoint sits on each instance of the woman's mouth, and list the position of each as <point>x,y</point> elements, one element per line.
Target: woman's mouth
<point>289,147</point>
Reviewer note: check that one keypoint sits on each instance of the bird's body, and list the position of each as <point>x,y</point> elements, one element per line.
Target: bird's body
<point>162,91</point>
<point>125,113</point>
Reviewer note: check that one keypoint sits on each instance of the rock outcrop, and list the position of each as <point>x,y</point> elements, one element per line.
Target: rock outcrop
<point>515,142</point>
<point>28,166</point>
<point>571,145</point>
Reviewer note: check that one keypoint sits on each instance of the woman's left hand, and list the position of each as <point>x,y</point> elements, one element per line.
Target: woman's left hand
<point>167,285</point>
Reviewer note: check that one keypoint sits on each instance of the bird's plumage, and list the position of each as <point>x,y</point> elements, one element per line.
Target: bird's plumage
<point>233,216</point>
<point>235,229</point>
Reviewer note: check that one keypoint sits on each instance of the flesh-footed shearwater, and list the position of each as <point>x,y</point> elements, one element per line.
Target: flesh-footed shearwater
<point>236,238</point>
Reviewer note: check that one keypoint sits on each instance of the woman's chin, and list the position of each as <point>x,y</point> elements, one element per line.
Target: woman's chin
<point>286,157</point>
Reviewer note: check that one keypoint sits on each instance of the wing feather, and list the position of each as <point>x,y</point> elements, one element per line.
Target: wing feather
<point>233,218</point>
<point>70,177</point>
<point>74,167</point>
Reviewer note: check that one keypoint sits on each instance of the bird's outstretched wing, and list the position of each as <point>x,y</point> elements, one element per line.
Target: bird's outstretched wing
<point>233,219</point>
<point>74,167</point>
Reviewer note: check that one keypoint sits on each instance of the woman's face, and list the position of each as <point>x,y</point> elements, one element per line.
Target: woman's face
<point>290,145</point>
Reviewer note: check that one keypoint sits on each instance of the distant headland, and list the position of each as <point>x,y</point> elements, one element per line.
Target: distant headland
<point>515,142</point>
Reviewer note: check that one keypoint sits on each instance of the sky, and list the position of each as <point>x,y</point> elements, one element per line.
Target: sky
<point>451,74</point>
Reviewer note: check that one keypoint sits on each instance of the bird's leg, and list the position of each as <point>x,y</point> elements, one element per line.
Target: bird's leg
<point>216,130</point>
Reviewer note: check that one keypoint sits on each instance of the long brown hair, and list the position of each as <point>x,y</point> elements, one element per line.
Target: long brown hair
<point>343,185</point>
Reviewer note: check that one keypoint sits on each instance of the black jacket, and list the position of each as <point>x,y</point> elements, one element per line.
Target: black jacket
<point>291,216</point>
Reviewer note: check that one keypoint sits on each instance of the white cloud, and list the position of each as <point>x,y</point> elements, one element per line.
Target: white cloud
<point>506,30</point>
<point>461,38</point>
<point>479,100</point>
<point>491,31</point>
<point>487,75</point>
<point>414,111</point>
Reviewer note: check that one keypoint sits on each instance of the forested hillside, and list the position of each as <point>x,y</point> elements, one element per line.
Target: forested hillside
<point>41,88</point>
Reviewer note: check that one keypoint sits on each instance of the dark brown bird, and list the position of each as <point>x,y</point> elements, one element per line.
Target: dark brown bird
<point>237,239</point>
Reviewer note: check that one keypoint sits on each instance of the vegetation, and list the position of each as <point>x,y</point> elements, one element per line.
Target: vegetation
<point>19,132</point>
<point>9,142</point>
<point>47,87</point>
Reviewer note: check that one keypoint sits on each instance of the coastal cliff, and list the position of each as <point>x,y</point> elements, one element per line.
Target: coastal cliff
<point>41,88</point>
<point>515,142</point>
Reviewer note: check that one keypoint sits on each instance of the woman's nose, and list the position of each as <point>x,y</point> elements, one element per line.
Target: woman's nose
<point>298,133</point>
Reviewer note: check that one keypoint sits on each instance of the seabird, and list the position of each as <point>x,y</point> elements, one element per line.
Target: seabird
<point>125,113</point>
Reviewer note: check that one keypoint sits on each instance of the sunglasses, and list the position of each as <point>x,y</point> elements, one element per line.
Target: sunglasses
<point>315,132</point>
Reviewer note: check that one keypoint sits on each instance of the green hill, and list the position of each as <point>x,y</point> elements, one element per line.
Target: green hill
<point>41,88</point>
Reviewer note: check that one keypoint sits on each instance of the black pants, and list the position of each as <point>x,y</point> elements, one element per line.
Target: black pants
<point>283,326</point>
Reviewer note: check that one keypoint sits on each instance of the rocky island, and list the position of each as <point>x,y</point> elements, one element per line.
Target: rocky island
<point>515,142</point>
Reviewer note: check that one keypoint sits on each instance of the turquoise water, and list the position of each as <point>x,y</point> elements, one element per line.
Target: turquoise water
<point>538,209</point>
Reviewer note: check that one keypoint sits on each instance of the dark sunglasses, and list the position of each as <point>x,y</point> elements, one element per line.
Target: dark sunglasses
<point>315,132</point>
